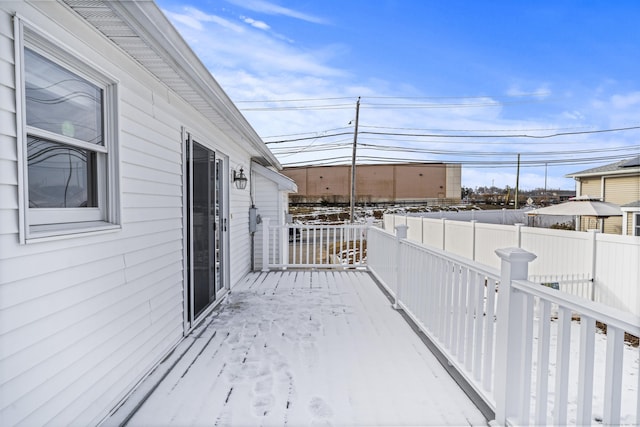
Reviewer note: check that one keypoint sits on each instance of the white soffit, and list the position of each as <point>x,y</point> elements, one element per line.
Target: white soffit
<point>141,30</point>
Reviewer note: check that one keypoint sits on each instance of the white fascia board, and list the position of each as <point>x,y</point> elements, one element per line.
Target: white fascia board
<point>284,183</point>
<point>149,23</point>
<point>620,172</point>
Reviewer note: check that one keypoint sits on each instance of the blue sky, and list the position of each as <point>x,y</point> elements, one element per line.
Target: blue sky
<point>462,77</point>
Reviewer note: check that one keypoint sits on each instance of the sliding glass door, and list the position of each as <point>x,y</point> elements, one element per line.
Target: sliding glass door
<point>206,228</point>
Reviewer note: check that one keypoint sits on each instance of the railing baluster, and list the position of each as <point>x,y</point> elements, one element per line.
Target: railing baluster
<point>542,369</point>
<point>562,366</point>
<point>585,370</point>
<point>527,345</point>
<point>274,246</point>
<point>323,258</point>
<point>294,248</point>
<point>464,315</point>
<point>479,295</point>
<point>439,311</point>
<point>314,257</point>
<point>613,376</point>
<point>445,300</point>
<point>489,318</point>
<point>455,307</point>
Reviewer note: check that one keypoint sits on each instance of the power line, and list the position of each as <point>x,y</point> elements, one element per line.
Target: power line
<point>433,135</point>
<point>475,163</point>
<point>505,136</point>
<point>254,101</point>
<point>475,130</point>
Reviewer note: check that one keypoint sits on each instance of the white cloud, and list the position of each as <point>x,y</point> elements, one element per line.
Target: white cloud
<point>194,19</point>
<point>542,91</point>
<point>223,45</point>
<point>626,101</point>
<point>274,9</point>
<point>257,24</point>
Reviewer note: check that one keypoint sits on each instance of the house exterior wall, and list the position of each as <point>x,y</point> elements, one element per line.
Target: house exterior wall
<point>621,189</point>
<point>376,183</point>
<point>83,318</point>
<point>590,187</point>
<point>268,207</point>
<point>618,189</point>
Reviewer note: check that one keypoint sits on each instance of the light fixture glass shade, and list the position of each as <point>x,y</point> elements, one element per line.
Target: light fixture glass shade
<point>240,179</point>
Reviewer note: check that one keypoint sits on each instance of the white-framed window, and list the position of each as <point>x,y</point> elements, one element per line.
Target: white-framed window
<point>636,224</point>
<point>67,120</point>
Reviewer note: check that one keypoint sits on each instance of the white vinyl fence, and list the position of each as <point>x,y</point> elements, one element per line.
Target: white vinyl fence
<point>499,331</point>
<point>603,267</point>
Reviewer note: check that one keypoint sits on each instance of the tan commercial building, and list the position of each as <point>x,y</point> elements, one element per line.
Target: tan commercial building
<point>392,183</point>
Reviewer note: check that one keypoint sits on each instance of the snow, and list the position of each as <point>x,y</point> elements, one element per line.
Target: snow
<point>630,382</point>
<point>326,348</point>
<point>304,348</point>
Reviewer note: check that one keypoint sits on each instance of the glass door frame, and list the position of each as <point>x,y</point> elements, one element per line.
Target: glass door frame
<point>221,169</point>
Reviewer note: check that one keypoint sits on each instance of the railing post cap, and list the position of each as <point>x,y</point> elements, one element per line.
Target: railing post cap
<point>515,254</point>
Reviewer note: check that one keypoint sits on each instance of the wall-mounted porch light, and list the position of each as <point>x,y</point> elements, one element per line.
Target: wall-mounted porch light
<point>240,179</point>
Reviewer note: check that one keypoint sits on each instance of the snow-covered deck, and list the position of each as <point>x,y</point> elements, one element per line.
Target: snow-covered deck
<point>302,348</point>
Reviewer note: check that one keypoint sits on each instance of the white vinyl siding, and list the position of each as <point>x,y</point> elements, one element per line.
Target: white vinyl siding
<point>268,202</point>
<point>8,155</point>
<point>83,319</point>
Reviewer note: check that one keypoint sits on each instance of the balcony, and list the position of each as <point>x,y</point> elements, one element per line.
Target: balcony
<point>401,333</point>
<point>302,348</point>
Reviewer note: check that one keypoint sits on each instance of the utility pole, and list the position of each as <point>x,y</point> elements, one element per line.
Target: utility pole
<point>517,183</point>
<point>353,163</point>
<point>545,182</point>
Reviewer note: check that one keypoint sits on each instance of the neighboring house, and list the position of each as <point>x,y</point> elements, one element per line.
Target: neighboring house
<point>631,218</point>
<point>121,224</point>
<point>391,183</point>
<point>617,183</point>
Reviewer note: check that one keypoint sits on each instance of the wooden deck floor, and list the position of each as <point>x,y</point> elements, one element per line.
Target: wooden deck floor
<point>306,348</point>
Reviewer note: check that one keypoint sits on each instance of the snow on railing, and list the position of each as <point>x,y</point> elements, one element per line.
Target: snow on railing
<point>483,321</point>
<point>314,246</point>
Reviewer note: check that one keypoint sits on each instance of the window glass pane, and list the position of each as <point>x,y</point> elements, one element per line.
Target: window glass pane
<point>61,102</point>
<point>60,176</point>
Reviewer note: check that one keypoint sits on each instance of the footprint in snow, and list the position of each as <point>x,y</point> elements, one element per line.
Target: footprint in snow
<point>310,353</point>
<point>261,405</point>
<point>320,409</point>
<point>264,385</point>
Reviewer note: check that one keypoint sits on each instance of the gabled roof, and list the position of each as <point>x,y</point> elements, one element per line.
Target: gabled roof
<point>141,30</point>
<point>627,166</point>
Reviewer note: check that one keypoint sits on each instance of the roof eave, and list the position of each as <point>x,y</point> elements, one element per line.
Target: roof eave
<point>626,171</point>
<point>283,182</point>
<point>148,22</point>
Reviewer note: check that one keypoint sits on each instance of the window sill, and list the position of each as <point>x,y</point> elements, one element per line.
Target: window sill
<point>45,233</point>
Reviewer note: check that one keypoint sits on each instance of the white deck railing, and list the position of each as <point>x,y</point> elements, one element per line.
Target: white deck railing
<point>602,267</point>
<point>314,246</point>
<point>501,333</point>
